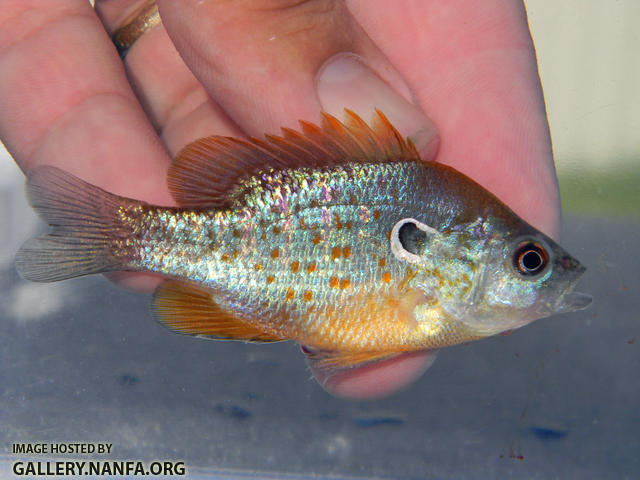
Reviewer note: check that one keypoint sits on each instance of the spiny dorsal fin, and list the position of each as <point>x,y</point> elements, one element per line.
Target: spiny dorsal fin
<point>204,171</point>
<point>189,309</point>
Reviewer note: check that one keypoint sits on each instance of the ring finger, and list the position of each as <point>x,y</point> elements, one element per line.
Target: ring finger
<point>176,103</point>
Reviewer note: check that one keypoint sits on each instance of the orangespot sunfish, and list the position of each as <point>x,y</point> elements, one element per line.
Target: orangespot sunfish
<point>338,237</point>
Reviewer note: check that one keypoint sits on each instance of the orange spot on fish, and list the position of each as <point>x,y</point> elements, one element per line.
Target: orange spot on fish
<point>308,295</point>
<point>386,277</point>
<point>316,239</point>
<point>382,262</point>
<point>345,283</point>
<point>258,267</point>
<point>335,253</point>
<point>275,253</point>
<point>235,254</point>
<point>337,220</point>
<point>346,251</point>
<point>302,224</point>
<point>225,257</point>
<point>334,282</point>
<point>270,279</point>
<point>295,266</point>
<point>311,268</point>
<point>392,302</point>
<point>376,214</point>
<point>277,230</point>
<point>290,293</point>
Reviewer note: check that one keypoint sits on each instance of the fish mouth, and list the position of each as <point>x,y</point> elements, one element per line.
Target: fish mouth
<point>572,302</point>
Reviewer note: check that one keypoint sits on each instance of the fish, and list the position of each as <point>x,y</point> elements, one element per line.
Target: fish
<point>336,236</point>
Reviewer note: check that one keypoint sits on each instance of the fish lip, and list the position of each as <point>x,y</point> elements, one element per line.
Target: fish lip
<point>573,301</point>
<point>570,301</point>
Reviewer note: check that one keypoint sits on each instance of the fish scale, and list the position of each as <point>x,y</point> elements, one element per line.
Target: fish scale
<point>242,241</point>
<point>338,237</point>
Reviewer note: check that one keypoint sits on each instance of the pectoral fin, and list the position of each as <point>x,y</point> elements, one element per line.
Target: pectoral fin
<point>189,309</point>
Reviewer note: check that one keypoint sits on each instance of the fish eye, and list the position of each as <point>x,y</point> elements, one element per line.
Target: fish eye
<point>530,258</point>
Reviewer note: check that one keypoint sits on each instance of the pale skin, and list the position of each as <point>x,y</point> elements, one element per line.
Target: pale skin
<point>247,67</point>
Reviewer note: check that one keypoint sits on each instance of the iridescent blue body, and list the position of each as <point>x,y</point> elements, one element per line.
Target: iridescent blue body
<point>339,238</point>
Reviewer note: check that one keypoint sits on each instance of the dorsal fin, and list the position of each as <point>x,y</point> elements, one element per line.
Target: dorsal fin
<point>205,170</point>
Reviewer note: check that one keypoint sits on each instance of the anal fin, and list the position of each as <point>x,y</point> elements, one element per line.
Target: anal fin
<point>189,309</point>
<point>332,362</point>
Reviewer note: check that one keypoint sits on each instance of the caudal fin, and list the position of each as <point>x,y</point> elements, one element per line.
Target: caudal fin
<point>85,224</point>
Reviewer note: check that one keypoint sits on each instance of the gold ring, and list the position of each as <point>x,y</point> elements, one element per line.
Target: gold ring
<point>136,24</point>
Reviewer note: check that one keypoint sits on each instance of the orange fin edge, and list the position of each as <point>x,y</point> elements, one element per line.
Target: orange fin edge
<point>204,172</point>
<point>332,362</point>
<point>189,309</point>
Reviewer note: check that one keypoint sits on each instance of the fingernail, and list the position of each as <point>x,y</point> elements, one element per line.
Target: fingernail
<point>344,81</point>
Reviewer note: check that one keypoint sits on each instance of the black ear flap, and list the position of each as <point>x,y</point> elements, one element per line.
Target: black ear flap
<point>409,239</point>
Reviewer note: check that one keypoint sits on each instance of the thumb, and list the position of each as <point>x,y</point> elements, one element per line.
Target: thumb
<point>271,63</point>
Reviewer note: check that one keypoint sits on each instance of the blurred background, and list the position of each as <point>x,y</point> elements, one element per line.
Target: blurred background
<point>82,360</point>
<point>589,61</point>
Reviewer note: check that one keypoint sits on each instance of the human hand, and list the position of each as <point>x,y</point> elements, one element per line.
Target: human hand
<point>251,66</point>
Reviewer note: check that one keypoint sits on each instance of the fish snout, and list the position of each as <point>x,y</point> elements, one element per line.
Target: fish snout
<point>571,265</point>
